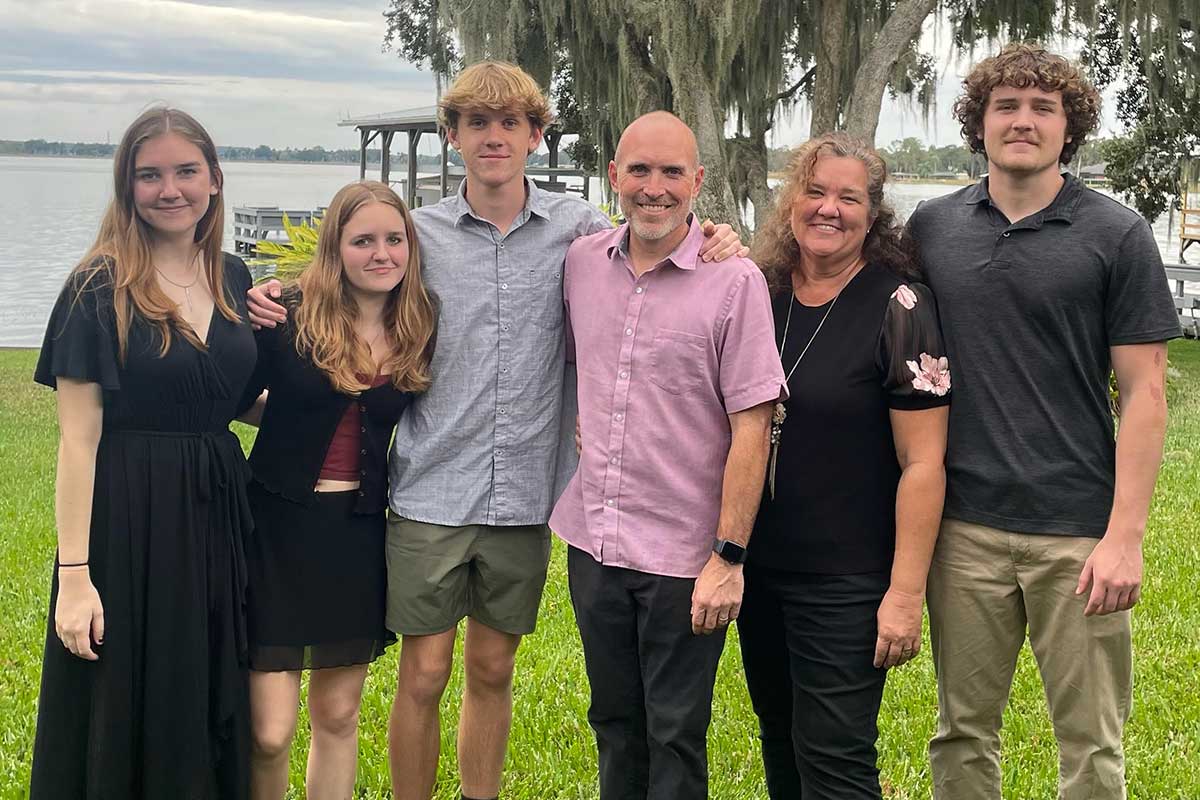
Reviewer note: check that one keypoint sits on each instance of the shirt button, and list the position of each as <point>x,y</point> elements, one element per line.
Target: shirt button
<point>504,369</point>
<point>629,331</point>
<point>502,245</point>
<point>613,460</point>
<point>618,417</point>
<point>624,374</point>
<point>638,290</point>
<point>362,452</point>
<point>504,286</point>
<point>609,503</point>
<point>502,411</point>
<point>504,327</point>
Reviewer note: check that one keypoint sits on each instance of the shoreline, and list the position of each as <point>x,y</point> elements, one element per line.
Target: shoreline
<point>223,160</point>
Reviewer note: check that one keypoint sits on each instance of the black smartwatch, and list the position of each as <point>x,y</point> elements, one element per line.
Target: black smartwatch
<point>732,552</point>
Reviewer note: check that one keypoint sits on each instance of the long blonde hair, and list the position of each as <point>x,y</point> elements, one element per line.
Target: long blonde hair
<point>324,320</point>
<point>122,251</point>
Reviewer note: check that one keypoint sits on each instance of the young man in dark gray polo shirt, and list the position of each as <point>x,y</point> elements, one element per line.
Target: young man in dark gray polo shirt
<point>1043,286</point>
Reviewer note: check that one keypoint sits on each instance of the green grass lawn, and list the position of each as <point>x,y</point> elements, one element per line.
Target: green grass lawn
<point>552,754</point>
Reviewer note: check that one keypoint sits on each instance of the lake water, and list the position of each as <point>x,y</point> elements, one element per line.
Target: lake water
<point>50,209</point>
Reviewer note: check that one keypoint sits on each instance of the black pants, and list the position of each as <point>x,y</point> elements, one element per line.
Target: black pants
<point>808,642</point>
<point>651,677</point>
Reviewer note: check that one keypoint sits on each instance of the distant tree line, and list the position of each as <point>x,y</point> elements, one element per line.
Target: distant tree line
<point>307,155</point>
<point>41,147</point>
<point>913,157</point>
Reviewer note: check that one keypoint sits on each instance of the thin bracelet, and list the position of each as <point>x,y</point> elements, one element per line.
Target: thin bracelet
<point>71,566</point>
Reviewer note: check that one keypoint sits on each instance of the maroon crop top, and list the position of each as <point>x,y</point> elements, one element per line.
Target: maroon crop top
<point>342,458</point>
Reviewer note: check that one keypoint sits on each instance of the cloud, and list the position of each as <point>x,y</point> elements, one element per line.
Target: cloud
<point>263,71</point>
<point>182,37</point>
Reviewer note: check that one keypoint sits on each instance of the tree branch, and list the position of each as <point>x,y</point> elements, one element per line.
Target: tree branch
<point>902,26</point>
<point>797,86</point>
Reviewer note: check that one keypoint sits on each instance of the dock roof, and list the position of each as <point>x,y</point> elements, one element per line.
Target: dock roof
<point>419,118</point>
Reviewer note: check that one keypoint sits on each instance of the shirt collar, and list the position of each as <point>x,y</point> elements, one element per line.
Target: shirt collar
<point>535,203</point>
<point>1061,208</point>
<point>684,256</point>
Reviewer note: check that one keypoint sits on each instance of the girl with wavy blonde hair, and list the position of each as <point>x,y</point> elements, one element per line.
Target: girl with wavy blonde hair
<point>338,374</point>
<point>325,321</point>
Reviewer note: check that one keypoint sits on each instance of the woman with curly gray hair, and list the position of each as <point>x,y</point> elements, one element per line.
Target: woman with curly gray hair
<point>835,578</point>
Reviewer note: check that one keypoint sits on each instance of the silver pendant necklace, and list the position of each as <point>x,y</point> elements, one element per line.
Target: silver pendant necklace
<point>780,412</point>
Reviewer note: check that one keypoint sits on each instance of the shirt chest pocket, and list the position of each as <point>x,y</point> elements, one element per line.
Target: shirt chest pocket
<point>542,296</point>
<point>677,361</point>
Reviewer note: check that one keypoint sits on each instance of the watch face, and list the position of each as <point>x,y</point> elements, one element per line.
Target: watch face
<point>730,551</point>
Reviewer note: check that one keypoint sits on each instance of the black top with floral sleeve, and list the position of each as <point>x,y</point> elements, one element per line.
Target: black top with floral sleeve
<point>836,475</point>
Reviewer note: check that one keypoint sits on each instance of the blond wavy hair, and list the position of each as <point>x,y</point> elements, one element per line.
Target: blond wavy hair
<point>775,249</point>
<point>1021,66</point>
<point>122,249</point>
<point>498,86</point>
<point>324,310</point>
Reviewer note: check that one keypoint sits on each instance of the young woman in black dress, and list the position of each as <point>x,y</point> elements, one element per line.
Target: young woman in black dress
<point>338,375</point>
<point>144,686</point>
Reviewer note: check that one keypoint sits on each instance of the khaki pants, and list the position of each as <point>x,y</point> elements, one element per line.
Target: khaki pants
<point>986,587</point>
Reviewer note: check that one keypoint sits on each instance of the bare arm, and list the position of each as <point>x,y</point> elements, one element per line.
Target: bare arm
<point>1114,569</point>
<point>78,614</point>
<point>920,438</point>
<point>717,597</point>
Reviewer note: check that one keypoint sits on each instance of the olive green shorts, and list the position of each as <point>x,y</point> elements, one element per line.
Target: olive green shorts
<point>438,574</point>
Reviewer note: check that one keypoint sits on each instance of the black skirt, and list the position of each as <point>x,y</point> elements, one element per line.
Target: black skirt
<point>317,583</point>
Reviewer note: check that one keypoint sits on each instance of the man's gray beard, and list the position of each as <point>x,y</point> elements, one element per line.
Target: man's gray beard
<point>660,231</point>
<point>655,233</point>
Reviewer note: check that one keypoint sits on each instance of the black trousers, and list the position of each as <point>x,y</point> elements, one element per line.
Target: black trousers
<point>808,642</point>
<point>651,678</point>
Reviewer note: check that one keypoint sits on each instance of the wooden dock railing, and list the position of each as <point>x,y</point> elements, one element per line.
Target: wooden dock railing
<point>253,224</point>
<point>1187,304</point>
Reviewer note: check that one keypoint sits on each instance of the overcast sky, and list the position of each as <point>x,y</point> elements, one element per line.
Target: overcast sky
<point>276,72</point>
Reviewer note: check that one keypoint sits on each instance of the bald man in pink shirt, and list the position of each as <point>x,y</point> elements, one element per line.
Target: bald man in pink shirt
<point>678,374</point>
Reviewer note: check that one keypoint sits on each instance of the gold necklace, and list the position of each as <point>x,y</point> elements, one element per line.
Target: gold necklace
<point>187,287</point>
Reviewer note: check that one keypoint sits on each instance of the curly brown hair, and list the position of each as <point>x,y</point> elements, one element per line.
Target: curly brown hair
<point>775,248</point>
<point>1020,65</point>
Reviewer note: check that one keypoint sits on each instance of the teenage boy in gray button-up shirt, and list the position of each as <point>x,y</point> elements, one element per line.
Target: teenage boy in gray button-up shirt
<point>1043,286</point>
<point>474,462</point>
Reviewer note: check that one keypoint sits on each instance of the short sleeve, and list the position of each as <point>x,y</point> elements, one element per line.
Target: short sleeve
<point>912,355</point>
<point>81,336</point>
<point>750,370</point>
<point>1138,307</point>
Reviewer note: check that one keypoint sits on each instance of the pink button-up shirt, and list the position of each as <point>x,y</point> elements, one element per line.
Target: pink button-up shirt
<point>662,360</point>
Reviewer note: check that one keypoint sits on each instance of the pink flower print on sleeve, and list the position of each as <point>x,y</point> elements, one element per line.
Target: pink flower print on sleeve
<point>905,296</point>
<point>932,375</point>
